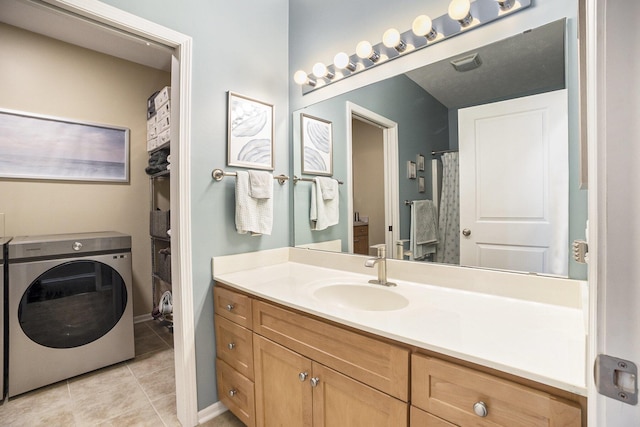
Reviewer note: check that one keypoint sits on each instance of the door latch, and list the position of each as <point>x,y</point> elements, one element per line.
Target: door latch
<point>616,378</point>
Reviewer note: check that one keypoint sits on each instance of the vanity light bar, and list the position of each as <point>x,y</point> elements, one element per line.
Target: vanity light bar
<point>476,14</point>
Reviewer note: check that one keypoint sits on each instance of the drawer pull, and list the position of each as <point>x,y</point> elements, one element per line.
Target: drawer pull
<point>480,408</point>
<point>229,307</point>
<point>315,381</point>
<point>303,376</point>
<point>231,345</point>
<point>233,392</point>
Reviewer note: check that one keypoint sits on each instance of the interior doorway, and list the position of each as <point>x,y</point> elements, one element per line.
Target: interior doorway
<point>372,144</point>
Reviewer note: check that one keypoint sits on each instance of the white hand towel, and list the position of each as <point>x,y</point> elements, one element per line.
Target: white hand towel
<point>323,213</point>
<point>253,216</point>
<point>260,184</point>
<point>329,188</point>
<point>424,228</point>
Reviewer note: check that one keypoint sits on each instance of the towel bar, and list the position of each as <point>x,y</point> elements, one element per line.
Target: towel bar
<point>218,174</point>
<point>296,179</point>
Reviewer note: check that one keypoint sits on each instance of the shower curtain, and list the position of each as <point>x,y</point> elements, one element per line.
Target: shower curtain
<point>448,249</point>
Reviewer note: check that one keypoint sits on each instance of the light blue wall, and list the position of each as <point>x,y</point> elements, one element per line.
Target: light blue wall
<point>243,47</point>
<point>422,127</point>
<point>319,30</point>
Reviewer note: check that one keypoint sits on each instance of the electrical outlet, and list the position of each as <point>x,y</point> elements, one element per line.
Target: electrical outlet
<point>580,251</point>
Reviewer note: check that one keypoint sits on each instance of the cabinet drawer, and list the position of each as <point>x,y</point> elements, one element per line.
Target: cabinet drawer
<point>234,345</point>
<point>420,418</point>
<point>450,391</point>
<point>379,364</point>
<point>232,305</point>
<point>236,392</point>
<point>360,230</point>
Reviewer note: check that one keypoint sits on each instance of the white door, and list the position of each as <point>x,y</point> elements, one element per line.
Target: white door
<point>614,199</point>
<point>514,184</point>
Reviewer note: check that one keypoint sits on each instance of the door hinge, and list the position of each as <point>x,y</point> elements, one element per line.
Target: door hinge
<point>616,378</point>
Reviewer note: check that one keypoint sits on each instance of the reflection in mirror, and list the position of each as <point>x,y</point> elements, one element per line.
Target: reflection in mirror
<point>504,114</point>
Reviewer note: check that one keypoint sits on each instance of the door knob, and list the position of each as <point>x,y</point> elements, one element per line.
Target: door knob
<point>466,232</point>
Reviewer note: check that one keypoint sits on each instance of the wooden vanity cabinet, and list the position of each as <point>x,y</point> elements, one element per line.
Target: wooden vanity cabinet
<point>287,368</point>
<point>305,371</point>
<point>450,393</point>
<point>361,239</point>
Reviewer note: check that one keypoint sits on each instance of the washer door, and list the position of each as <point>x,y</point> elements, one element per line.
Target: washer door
<point>72,304</point>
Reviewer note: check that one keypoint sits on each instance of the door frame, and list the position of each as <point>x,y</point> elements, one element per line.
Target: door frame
<point>391,184</point>
<point>184,326</point>
<point>613,276</point>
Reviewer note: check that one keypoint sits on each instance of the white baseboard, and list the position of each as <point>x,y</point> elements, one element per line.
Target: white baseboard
<point>211,412</point>
<point>142,318</point>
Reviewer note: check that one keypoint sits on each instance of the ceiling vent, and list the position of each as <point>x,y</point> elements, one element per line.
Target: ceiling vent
<point>467,63</point>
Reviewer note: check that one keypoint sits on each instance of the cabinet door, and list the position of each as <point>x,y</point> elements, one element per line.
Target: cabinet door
<point>282,397</point>
<point>341,401</point>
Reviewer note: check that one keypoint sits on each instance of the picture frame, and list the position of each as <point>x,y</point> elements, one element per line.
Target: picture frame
<point>41,147</point>
<point>421,184</point>
<point>411,170</point>
<point>250,133</point>
<point>420,162</point>
<point>317,145</point>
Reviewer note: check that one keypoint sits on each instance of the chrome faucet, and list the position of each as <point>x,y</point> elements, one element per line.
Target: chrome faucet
<point>381,260</point>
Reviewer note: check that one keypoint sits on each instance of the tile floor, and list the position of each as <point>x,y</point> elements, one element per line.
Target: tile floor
<point>138,392</point>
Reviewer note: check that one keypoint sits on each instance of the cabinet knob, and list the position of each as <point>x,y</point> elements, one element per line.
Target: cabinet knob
<point>231,345</point>
<point>466,232</point>
<point>315,381</point>
<point>233,392</point>
<point>303,376</point>
<point>480,408</point>
<point>229,307</point>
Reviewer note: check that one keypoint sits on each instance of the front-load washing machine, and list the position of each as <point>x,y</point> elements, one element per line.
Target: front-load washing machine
<point>69,306</point>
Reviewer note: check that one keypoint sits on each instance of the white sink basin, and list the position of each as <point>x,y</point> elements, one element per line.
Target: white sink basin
<point>361,297</point>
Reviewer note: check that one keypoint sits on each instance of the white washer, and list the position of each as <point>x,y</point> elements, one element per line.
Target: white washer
<point>69,306</point>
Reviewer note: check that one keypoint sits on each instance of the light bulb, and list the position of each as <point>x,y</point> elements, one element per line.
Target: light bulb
<point>301,78</point>
<point>459,10</point>
<point>342,61</point>
<point>391,39</point>
<point>319,70</point>
<point>423,26</point>
<point>365,51</point>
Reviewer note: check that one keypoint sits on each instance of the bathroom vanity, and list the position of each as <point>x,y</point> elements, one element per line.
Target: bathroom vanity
<point>305,340</point>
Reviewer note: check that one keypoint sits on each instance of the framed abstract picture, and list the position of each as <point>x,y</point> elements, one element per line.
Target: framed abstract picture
<point>35,146</point>
<point>317,145</point>
<point>250,133</point>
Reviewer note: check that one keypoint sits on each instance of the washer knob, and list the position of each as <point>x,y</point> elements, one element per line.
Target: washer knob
<point>77,246</point>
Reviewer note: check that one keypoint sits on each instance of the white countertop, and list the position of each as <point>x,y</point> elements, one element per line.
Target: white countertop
<point>541,341</point>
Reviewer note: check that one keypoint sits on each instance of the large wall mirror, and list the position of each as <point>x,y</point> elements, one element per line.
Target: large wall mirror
<point>482,147</point>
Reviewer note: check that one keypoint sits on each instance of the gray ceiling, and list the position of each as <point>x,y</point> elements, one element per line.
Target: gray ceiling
<point>50,21</point>
<point>525,64</point>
